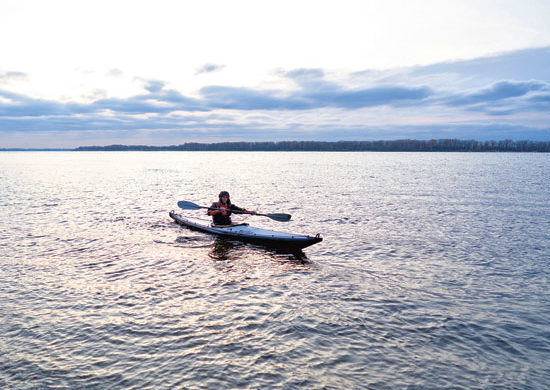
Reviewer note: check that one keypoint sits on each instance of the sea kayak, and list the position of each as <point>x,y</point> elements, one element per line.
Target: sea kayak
<point>245,232</point>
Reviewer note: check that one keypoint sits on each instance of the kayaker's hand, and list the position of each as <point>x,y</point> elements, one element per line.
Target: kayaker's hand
<point>253,212</point>
<point>223,210</point>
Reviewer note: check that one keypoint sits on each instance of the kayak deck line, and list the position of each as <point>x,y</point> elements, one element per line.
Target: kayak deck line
<point>226,226</point>
<point>245,232</point>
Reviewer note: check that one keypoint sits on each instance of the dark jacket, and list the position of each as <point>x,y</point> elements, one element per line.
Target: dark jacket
<point>220,219</point>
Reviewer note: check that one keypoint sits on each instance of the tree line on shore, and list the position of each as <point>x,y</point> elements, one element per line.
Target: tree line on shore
<point>402,145</point>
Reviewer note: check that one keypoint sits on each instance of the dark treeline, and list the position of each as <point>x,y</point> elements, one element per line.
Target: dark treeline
<point>402,145</point>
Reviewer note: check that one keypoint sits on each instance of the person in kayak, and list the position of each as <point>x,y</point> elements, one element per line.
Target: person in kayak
<point>221,211</point>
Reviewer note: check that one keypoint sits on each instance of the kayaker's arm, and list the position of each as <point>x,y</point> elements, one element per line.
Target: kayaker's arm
<point>214,210</point>
<point>241,210</point>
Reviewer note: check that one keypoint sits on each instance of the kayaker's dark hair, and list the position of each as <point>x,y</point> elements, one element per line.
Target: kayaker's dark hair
<point>224,193</point>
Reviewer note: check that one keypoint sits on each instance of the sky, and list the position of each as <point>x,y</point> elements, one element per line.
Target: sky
<point>78,73</point>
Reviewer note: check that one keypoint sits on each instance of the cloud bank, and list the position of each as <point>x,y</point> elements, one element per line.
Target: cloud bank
<point>505,96</point>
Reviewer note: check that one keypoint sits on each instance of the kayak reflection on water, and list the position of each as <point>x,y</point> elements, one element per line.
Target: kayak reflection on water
<point>221,250</point>
<point>230,250</point>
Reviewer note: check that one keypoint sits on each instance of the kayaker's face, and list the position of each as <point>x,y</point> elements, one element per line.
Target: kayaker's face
<point>225,199</point>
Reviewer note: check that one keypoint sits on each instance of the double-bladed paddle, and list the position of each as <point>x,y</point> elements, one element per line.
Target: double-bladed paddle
<point>183,204</point>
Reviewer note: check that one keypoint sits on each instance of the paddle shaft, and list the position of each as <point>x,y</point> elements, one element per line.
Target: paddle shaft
<point>193,206</point>
<point>242,212</point>
<point>233,211</point>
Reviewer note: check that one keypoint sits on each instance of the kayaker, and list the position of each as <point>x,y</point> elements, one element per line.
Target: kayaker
<point>221,211</point>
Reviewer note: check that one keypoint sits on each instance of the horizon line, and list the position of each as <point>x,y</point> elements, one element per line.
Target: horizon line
<point>397,145</point>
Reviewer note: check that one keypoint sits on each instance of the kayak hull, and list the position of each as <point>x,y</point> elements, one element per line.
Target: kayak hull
<point>246,233</point>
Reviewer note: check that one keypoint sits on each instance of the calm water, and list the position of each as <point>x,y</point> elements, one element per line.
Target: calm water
<point>433,273</point>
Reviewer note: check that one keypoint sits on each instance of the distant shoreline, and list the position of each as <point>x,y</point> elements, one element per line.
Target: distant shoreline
<point>403,145</point>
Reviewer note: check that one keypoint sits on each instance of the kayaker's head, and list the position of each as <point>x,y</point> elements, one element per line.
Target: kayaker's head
<point>224,197</point>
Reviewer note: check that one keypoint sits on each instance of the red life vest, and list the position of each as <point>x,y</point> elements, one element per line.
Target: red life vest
<point>221,205</point>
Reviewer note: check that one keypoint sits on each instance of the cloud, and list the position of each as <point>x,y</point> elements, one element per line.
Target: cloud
<point>542,99</point>
<point>500,90</point>
<point>9,76</point>
<point>14,105</point>
<point>314,92</point>
<point>219,97</point>
<point>311,79</point>
<point>154,85</point>
<point>525,64</point>
<point>502,98</point>
<point>115,73</point>
<point>157,101</point>
<point>318,94</point>
<point>165,101</point>
<point>209,68</point>
<point>369,97</point>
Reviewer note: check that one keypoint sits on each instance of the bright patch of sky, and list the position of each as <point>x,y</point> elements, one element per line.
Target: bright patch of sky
<point>173,71</point>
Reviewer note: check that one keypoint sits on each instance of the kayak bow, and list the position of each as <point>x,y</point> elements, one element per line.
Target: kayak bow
<point>247,233</point>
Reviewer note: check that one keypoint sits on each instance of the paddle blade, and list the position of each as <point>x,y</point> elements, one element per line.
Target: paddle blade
<point>279,217</point>
<point>182,204</point>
